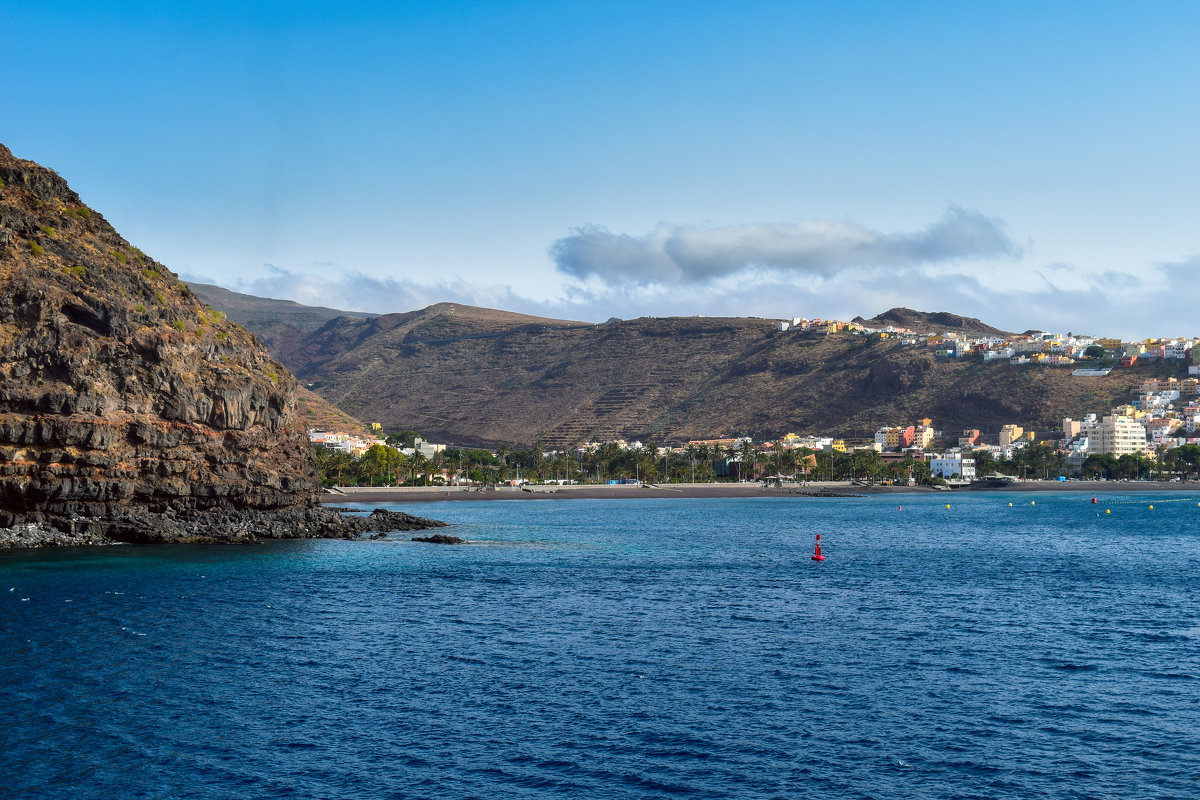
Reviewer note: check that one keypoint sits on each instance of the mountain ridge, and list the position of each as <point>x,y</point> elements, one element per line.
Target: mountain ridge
<point>488,377</point>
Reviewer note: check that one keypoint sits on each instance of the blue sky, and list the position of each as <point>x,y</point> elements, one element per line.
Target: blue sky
<point>1031,164</point>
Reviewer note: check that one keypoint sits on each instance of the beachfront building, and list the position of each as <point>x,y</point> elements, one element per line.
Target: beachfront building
<point>427,449</point>
<point>953,468</point>
<point>337,441</point>
<point>1118,435</point>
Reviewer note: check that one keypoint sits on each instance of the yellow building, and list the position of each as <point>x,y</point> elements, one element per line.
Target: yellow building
<point>838,445</point>
<point>1010,434</point>
<point>923,437</point>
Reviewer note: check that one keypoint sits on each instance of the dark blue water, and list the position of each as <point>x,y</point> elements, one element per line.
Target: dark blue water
<point>637,648</point>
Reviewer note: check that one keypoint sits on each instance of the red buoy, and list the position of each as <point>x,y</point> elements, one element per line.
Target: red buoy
<point>817,555</point>
<point>1093,501</point>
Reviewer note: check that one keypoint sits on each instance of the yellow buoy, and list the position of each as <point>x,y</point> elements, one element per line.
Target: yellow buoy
<point>1010,505</point>
<point>1108,511</point>
<point>1152,506</point>
<point>947,505</point>
<point>1033,502</point>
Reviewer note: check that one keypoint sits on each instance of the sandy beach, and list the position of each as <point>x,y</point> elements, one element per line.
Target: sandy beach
<point>421,494</point>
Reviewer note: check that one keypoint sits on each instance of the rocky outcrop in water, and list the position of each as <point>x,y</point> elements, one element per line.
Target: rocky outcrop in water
<point>438,538</point>
<point>129,410</point>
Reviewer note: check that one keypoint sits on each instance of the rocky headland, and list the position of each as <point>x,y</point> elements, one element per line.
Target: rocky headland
<point>129,410</point>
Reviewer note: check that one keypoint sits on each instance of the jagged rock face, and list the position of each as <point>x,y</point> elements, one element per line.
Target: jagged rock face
<point>119,390</point>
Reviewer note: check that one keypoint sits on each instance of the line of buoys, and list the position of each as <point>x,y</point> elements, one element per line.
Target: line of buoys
<point>817,555</point>
<point>1160,500</point>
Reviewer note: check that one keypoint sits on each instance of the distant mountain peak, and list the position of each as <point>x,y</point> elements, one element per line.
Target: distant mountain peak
<point>929,322</point>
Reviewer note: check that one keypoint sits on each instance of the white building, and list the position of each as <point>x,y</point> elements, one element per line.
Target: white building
<point>999,352</point>
<point>427,449</point>
<point>1118,435</point>
<point>1177,349</point>
<point>955,467</point>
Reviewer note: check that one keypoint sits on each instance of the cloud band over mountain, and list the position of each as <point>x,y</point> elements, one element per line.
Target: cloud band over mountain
<point>680,254</point>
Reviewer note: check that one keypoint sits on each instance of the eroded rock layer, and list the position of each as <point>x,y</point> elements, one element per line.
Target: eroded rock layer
<point>122,397</point>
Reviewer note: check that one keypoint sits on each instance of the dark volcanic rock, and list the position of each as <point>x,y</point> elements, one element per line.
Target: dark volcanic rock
<point>217,526</point>
<point>130,411</point>
<point>929,322</point>
<point>438,538</point>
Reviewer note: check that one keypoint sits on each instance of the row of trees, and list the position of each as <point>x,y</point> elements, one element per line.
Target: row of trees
<point>384,465</point>
<point>1183,461</point>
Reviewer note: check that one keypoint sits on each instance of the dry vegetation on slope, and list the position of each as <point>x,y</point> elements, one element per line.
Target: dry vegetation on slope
<point>479,376</point>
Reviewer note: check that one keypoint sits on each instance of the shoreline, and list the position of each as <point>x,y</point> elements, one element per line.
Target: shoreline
<point>826,489</point>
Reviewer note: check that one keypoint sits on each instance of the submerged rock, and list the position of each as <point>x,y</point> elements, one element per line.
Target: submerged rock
<point>439,538</point>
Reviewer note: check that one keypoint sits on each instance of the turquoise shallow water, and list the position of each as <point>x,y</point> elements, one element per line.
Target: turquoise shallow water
<point>624,648</point>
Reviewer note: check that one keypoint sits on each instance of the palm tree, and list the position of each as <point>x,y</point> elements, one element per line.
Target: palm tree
<point>416,464</point>
<point>373,462</point>
<point>749,457</point>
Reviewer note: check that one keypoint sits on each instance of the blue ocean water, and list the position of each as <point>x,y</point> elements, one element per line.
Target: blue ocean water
<point>624,648</point>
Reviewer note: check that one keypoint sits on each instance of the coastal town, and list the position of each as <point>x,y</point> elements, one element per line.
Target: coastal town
<point>1156,432</point>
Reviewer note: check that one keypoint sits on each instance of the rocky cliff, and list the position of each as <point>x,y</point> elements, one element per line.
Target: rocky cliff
<point>128,409</point>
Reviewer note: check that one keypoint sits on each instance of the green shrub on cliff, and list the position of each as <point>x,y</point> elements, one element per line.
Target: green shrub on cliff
<point>120,256</point>
<point>79,212</point>
<point>151,274</point>
<point>35,248</point>
<point>178,325</point>
<point>273,376</point>
<point>78,270</point>
<point>46,229</point>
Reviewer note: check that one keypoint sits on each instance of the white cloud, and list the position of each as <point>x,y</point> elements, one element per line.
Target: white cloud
<point>1155,300</point>
<point>681,255</point>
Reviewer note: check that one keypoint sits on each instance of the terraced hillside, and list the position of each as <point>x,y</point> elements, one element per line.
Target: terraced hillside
<point>487,377</point>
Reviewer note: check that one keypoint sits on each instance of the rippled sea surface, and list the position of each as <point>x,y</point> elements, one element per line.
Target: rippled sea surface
<point>624,648</point>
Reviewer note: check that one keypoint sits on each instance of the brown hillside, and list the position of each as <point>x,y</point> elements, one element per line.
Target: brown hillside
<point>930,322</point>
<point>315,412</point>
<point>281,325</point>
<point>474,377</point>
